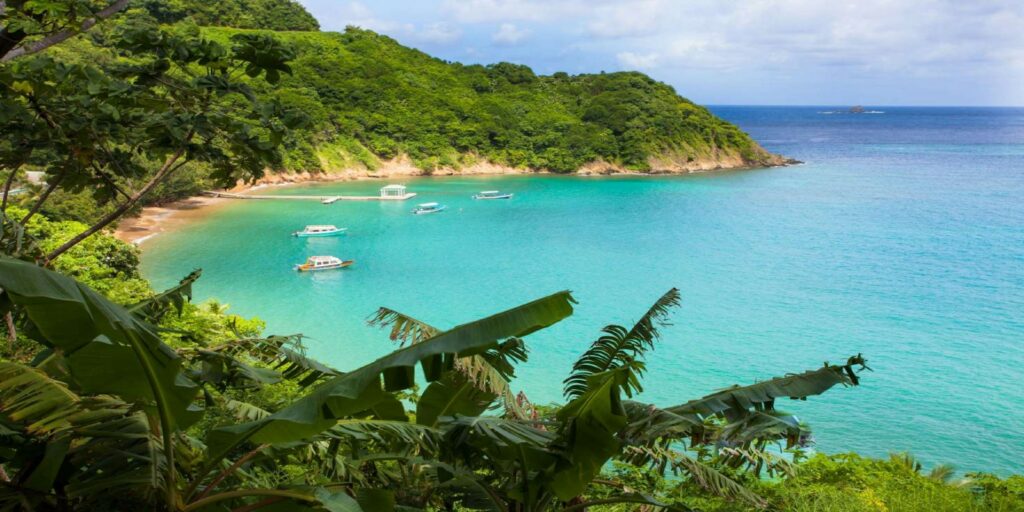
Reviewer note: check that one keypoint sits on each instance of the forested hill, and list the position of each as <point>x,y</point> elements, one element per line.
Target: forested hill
<point>374,102</point>
<point>262,14</point>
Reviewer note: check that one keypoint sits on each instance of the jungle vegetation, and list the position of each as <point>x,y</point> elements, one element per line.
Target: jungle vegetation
<point>114,396</point>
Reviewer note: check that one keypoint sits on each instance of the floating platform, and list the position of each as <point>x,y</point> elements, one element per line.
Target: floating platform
<point>323,199</point>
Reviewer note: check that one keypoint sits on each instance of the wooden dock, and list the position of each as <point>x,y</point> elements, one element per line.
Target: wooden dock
<point>229,195</point>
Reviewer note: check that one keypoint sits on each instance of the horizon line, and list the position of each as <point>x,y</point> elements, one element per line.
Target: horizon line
<point>848,105</point>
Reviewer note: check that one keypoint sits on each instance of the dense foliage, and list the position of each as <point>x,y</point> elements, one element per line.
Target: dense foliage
<point>845,483</point>
<point>371,98</point>
<point>121,119</point>
<point>261,14</point>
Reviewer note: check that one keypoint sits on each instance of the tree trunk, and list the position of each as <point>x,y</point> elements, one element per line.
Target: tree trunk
<point>12,333</point>
<point>7,188</point>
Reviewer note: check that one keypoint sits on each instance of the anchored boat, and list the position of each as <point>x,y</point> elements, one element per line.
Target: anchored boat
<point>320,230</point>
<point>428,208</point>
<point>492,194</point>
<point>323,263</point>
<point>329,200</point>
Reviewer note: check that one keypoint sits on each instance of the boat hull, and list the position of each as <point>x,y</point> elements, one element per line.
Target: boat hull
<point>424,212</point>
<point>502,196</point>
<point>300,234</point>
<point>310,268</point>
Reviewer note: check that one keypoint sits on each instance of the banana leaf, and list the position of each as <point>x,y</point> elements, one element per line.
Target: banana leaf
<point>736,402</point>
<point>361,389</point>
<point>107,349</point>
<point>452,394</point>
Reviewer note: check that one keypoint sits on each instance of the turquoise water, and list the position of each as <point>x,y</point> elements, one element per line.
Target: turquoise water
<point>901,238</point>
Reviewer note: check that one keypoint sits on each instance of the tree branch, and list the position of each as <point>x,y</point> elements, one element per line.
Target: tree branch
<point>63,35</point>
<point>12,332</point>
<point>165,170</point>
<point>46,194</point>
<point>224,474</point>
<point>245,493</point>
<point>7,188</point>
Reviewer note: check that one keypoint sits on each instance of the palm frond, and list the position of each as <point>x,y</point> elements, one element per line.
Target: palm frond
<point>494,432</point>
<point>154,308</point>
<point>942,473</point>
<point>38,403</point>
<point>648,423</point>
<point>620,346</point>
<point>284,354</point>
<point>117,450</point>
<point>755,460</point>
<point>404,328</point>
<point>386,432</point>
<point>244,411</point>
<point>662,458</point>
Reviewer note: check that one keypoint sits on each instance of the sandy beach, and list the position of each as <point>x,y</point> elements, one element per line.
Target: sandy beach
<point>157,219</point>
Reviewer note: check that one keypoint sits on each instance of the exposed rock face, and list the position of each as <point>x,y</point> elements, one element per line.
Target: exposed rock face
<point>402,166</point>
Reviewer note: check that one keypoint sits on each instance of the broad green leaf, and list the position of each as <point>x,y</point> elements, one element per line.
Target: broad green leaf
<point>107,349</point>
<point>453,394</point>
<point>361,389</point>
<point>590,434</point>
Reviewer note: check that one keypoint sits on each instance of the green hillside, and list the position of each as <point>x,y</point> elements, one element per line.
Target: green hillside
<point>372,99</point>
<point>261,14</point>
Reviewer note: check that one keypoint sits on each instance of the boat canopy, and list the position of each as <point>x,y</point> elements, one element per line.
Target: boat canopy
<point>321,227</point>
<point>322,260</point>
<point>428,205</point>
<point>489,192</point>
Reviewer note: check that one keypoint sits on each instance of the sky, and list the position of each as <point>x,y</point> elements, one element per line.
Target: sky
<point>745,52</point>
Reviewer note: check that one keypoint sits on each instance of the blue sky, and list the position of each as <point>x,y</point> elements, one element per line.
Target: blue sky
<point>802,52</point>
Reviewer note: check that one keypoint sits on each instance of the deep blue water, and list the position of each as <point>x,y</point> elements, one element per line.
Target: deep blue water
<point>902,237</point>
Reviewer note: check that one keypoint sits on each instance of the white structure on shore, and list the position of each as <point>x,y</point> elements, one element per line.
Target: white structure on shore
<point>393,191</point>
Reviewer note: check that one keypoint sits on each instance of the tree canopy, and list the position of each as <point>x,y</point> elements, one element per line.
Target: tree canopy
<point>261,14</point>
<point>371,98</point>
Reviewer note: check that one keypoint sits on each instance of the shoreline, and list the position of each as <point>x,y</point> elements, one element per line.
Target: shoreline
<point>154,220</point>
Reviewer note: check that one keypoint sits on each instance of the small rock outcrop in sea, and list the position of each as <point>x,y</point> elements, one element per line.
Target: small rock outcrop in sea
<point>856,109</point>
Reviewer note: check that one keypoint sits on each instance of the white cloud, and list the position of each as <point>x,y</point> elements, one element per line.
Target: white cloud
<point>478,11</point>
<point>439,32</point>
<point>878,35</point>
<point>509,34</point>
<point>358,14</point>
<point>636,61</point>
<point>900,45</point>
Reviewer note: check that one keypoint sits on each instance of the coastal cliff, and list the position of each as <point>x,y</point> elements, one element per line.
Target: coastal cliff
<point>403,166</point>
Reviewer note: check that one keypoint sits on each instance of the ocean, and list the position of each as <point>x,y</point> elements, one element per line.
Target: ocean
<point>901,237</point>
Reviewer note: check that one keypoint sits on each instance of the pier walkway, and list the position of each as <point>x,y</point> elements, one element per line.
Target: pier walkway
<point>229,195</point>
